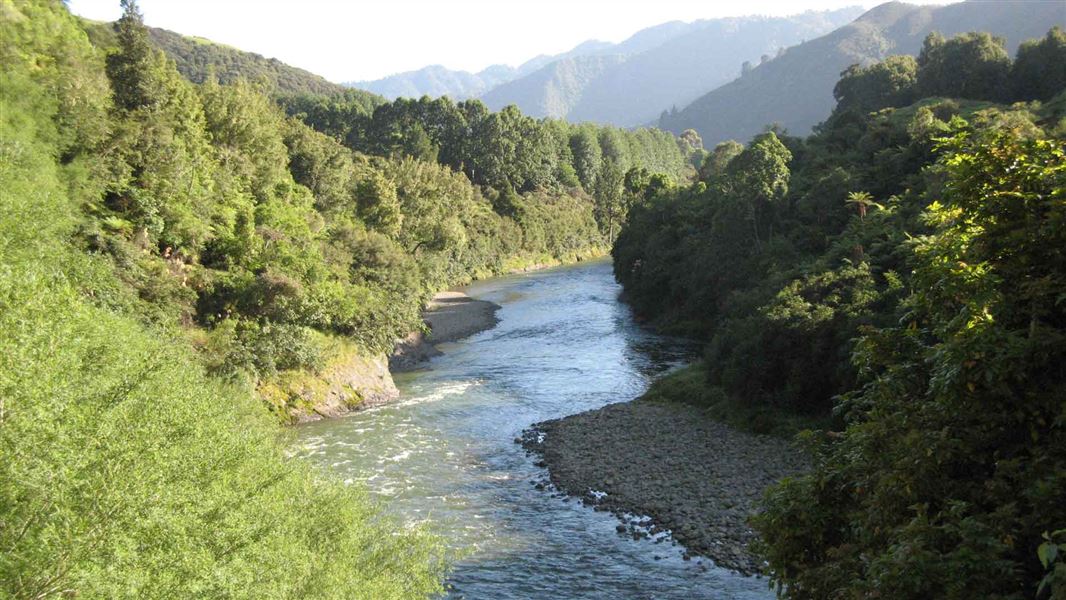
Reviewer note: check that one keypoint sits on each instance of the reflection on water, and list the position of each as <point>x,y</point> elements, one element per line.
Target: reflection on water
<point>444,454</point>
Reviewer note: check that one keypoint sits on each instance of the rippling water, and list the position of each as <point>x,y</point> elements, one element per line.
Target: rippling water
<point>445,453</point>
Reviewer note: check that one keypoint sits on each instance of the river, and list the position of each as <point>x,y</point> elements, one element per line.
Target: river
<point>444,454</point>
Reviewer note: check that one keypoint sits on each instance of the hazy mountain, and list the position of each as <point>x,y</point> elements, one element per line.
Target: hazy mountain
<point>553,90</point>
<point>796,88</point>
<point>663,66</point>
<point>709,54</point>
<point>436,80</point>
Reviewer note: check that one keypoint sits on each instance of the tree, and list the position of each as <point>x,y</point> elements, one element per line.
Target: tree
<point>165,168</point>
<point>246,128</point>
<point>608,195</point>
<point>1039,71</point>
<point>971,65</point>
<point>889,83</point>
<point>131,67</point>
<point>757,179</point>
<point>716,162</point>
<point>587,156</point>
<point>862,201</point>
<point>379,206</point>
<point>953,462</point>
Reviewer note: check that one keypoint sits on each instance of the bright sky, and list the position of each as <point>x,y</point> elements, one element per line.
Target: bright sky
<point>361,39</point>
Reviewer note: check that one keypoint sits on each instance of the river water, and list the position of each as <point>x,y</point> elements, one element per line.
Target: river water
<point>444,454</point>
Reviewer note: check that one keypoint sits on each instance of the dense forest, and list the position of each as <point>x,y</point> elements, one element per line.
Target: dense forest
<point>897,282</point>
<point>169,244</point>
<point>185,227</point>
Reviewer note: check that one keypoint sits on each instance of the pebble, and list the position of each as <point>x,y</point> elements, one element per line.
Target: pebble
<point>683,473</point>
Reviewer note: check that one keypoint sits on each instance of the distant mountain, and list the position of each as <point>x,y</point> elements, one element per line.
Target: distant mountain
<point>709,54</point>
<point>690,58</point>
<point>436,80</point>
<point>553,90</point>
<point>661,67</point>
<point>795,89</point>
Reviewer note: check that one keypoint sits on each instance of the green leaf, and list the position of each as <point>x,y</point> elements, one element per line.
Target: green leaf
<point>1047,552</point>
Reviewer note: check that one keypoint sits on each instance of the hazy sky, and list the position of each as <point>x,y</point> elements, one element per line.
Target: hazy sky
<point>357,40</point>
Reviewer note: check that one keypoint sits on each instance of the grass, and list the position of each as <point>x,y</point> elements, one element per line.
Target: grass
<point>688,385</point>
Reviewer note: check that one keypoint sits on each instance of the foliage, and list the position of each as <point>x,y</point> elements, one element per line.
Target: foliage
<point>1039,70</point>
<point>898,275</point>
<point>888,83</point>
<point>952,464</point>
<point>971,65</point>
<point>124,470</point>
<point>501,150</point>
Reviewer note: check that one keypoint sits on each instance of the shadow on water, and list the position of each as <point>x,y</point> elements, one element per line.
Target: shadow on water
<point>444,454</point>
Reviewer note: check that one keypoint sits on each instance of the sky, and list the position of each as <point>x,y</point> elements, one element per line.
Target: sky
<point>362,40</point>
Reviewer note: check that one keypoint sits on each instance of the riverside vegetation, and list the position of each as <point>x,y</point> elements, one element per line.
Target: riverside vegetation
<point>896,282</point>
<point>166,248</point>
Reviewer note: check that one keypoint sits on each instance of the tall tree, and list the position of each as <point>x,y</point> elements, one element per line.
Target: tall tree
<point>757,179</point>
<point>1039,71</point>
<point>587,156</point>
<point>972,65</point>
<point>715,163</point>
<point>131,67</point>
<point>891,82</point>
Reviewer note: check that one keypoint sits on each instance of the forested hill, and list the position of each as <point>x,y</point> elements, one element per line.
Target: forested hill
<point>146,226</point>
<point>196,57</point>
<point>795,89</point>
<point>895,282</point>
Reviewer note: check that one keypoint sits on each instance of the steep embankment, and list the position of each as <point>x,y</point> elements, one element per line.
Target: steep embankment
<point>354,379</point>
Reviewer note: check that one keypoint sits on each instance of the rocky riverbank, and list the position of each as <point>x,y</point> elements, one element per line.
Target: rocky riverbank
<point>680,470</point>
<point>450,316</point>
<point>353,380</point>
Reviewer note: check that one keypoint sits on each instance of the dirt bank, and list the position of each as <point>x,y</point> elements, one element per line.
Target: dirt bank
<point>450,316</point>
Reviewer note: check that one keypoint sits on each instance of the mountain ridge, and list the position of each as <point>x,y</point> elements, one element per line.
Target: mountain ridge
<point>795,89</point>
<point>493,84</point>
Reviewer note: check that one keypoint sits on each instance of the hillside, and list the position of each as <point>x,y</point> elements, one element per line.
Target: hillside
<point>436,80</point>
<point>625,84</point>
<point>660,67</point>
<point>795,89</point>
<point>676,72</point>
<point>554,90</point>
<point>195,57</point>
